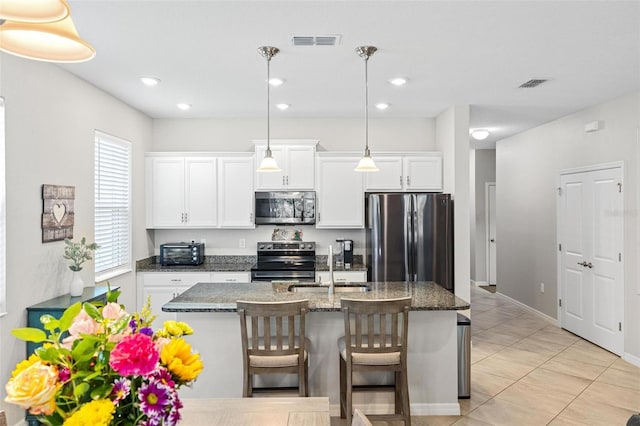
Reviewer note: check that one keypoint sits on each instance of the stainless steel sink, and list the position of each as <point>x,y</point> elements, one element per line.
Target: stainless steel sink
<point>339,288</point>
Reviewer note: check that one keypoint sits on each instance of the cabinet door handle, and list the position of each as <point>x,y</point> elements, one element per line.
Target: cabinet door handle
<point>287,180</point>
<point>400,180</point>
<point>176,280</point>
<point>231,280</point>
<point>342,280</point>
<point>282,180</point>
<point>408,181</point>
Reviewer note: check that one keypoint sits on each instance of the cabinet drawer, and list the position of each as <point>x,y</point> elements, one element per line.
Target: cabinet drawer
<point>228,277</point>
<point>342,276</point>
<point>175,279</point>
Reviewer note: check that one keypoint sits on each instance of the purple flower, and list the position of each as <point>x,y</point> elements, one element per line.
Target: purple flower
<point>174,414</point>
<point>133,325</point>
<point>163,376</point>
<point>147,331</point>
<point>121,389</point>
<point>64,374</point>
<point>155,398</point>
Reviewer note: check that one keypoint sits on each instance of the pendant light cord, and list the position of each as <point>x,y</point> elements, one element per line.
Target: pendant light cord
<point>268,103</point>
<point>366,104</point>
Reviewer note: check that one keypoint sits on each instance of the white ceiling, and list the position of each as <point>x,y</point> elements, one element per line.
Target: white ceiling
<point>453,52</point>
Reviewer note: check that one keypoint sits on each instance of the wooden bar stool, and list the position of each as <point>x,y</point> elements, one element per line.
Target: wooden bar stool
<point>273,342</point>
<point>375,340</point>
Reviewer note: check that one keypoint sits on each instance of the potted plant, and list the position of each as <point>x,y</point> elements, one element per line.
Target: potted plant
<point>78,253</point>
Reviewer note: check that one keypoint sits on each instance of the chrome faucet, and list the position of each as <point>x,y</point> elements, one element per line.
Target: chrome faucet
<point>330,263</point>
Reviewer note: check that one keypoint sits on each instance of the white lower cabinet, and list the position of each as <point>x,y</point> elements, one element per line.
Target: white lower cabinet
<point>342,276</point>
<point>231,277</point>
<point>161,287</point>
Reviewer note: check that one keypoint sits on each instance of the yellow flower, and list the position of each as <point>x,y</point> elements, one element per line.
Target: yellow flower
<point>99,413</point>
<point>22,365</point>
<point>175,329</point>
<point>177,357</point>
<point>34,387</point>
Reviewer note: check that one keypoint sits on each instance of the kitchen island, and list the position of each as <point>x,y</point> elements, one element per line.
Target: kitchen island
<point>209,308</point>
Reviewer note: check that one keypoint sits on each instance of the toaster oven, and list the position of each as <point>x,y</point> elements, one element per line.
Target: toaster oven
<point>182,253</point>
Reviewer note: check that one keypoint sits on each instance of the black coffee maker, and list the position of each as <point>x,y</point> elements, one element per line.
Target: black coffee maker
<point>346,252</point>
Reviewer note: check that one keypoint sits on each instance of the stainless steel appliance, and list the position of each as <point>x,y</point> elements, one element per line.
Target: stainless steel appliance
<point>285,208</point>
<point>285,260</point>
<point>409,237</point>
<point>344,256</point>
<point>182,253</point>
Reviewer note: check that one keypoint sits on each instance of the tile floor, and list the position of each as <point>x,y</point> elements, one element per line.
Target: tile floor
<point>527,371</point>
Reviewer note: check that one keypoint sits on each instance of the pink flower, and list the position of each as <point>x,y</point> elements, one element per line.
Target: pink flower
<point>113,311</point>
<point>82,324</point>
<point>134,355</point>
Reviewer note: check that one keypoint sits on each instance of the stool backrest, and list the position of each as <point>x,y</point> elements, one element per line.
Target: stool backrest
<point>376,326</point>
<point>272,328</point>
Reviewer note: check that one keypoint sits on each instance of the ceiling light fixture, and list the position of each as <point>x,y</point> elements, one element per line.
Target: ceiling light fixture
<point>480,134</point>
<point>282,107</point>
<point>268,163</point>
<point>150,81</point>
<point>275,81</point>
<point>382,106</point>
<point>31,36</point>
<point>35,11</point>
<point>366,163</point>
<point>184,106</point>
<point>398,81</point>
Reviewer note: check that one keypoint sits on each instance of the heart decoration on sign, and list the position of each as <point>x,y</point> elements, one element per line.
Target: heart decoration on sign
<point>59,211</point>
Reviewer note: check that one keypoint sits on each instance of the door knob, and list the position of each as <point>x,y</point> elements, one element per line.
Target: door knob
<point>589,265</point>
<point>493,240</point>
<point>583,264</point>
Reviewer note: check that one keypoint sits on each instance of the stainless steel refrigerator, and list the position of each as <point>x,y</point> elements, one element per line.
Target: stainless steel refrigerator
<point>409,237</point>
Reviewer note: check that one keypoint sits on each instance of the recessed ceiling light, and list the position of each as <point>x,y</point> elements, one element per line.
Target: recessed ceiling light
<point>150,81</point>
<point>398,81</point>
<point>479,134</point>
<point>382,105</point>
<point>282,106</point>
<point>184,106</point>
<point>276,81</point>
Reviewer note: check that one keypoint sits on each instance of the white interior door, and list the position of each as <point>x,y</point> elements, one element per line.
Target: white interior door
<point>491,232</point>
<point>590,224</point>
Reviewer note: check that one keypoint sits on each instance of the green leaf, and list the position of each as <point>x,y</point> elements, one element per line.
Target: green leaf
<point>92,311</point>
<point>50,354</point>
<point>69,314</point>
<point>81,389</point>
<point>29,334</point>
<point>49,322</point>
<point>101,392</point>
<point>84,350</point>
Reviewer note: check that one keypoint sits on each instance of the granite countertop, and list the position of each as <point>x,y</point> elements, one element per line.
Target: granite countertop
<point>323,267</point>
<point>222,297</point>
<point>211,264</point>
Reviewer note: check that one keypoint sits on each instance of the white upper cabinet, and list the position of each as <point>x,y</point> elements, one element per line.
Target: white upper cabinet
<point>181,192</point>
<point>339,192</point>
<point>235,184</point>
<point>295,157</point>
<point>410,172</point>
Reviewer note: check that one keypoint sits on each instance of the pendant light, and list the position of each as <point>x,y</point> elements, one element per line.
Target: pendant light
<point>30,37</point>
<point>268,163</point>
<point>35,11</point>
<point>366,163</point>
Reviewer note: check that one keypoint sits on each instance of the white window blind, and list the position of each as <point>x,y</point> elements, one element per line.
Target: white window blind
<point>112,206</point>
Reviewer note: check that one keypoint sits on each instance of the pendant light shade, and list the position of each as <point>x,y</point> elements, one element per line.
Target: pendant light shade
<point>268,163</point>
<point>366,163</point>
<point>34,11</point>
<point>56,41</point>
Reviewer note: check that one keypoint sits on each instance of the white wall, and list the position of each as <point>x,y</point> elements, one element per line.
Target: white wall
<point>483,170</point>
<point>50,121</point>
<point>452,139</point>
<point>527,169</point>
<point>334,134</point>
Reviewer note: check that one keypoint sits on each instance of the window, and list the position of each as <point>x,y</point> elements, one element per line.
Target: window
<point>3,215</point>
<point>112,206</point>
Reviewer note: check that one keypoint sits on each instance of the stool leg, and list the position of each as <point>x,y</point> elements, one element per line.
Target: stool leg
<point>343,387</point>
<point>406,409</point>
<point>349,394</point>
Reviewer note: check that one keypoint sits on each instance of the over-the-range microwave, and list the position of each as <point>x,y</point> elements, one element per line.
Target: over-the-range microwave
<point>285,208</point>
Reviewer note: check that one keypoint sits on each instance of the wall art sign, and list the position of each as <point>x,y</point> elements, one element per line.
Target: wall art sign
<point>57,212</point>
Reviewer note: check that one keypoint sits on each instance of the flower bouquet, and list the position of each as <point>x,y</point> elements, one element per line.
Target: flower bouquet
<point>100,365</point>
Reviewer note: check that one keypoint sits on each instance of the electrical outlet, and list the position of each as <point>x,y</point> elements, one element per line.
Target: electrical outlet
<point>541,287</point>
<point>242,243</point>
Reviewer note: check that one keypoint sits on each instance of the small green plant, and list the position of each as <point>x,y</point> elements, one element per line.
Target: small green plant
<point>78,253</point>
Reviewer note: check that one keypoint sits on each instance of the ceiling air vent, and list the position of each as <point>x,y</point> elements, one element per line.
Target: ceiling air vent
<point>320,40</point>
<point>532,83</point>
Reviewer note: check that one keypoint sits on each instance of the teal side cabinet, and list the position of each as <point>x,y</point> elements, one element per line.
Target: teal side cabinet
<point>55,307</point>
